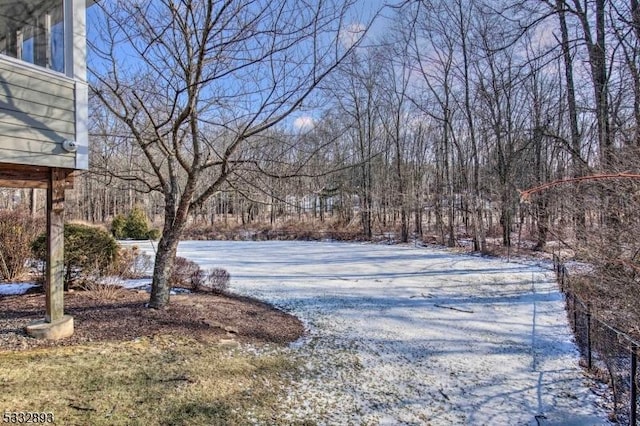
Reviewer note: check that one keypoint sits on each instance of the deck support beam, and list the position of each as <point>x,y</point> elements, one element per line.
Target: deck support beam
<point>56,325</point>
<point>55,247</point>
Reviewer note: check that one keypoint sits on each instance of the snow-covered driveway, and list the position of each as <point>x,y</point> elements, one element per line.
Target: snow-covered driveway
<point>404,335</point>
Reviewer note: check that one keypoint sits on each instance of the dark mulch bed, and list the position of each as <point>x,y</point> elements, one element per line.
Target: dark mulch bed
<point>123,317</point>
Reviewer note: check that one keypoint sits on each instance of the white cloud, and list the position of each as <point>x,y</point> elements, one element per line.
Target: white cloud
<point>304,122</point>
<point>351,34</point>
<point>544,35</point>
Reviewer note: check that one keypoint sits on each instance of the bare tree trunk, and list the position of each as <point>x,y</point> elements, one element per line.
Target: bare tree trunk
<point>162,269</point>
<point>598,68</point>
<point>479,235</point>
<point>541,212</point>
<point>576,156</point>
<point>33,202</point>
<point>632,60</point>
<point>404,228</point>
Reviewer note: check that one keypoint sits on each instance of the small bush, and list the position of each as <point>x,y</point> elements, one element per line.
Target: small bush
<point>154,234</point>
<point>131,262</point>
<point>17,232</point>
<point>117,227</point>
<point>135,226</point>
<point>87,251</point>
<point>184,271</point>
<point>217,280</point>
<point>104,290</point>
<point>188,274</point>
<point>197,280</point>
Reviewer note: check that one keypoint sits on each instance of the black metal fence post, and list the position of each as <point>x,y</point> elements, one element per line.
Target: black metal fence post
<point>634,386</point>
<point>589,336</point>
<point>575,313</point>
<point>601,336</point>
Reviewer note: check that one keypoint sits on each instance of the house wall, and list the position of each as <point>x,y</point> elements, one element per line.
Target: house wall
<point>37,113</point>
<point>75,20</point>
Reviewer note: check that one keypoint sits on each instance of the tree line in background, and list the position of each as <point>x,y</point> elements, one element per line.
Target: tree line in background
<point>430,128</point>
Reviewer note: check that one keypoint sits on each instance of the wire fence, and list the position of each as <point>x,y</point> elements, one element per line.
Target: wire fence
<point>609,354</point>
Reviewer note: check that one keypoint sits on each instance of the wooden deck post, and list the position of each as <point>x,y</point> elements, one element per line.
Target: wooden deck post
<point>55,246</point>
<point>56,324</point>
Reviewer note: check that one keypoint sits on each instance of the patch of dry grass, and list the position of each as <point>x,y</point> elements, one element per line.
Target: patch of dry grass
<point>103,290</point>
<point>159,381</point>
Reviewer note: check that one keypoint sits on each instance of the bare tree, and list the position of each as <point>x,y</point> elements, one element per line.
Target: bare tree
<point>463,18</point>
<point>499,109</point>
<point>433,49</point>
<point>395,122</point>
<point>196,81</point>
<point>576,146</point>
<point>356,90</point>
<point>598,64</point>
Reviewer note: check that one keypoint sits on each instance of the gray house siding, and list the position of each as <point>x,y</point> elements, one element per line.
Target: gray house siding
<point>37,113</point>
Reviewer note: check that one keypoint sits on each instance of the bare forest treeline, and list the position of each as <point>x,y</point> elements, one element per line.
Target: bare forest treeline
<point>430,129</point>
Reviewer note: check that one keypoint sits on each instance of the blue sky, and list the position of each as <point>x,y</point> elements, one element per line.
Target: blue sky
<point>300,120</point>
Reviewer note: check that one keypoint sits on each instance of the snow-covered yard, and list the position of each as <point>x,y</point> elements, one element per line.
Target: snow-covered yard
<point>404,335</point>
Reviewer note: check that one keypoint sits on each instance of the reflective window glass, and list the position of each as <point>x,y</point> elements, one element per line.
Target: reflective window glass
<point>33,31</point>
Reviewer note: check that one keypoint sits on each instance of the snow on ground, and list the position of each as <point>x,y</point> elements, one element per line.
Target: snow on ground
<point>136,283</point>
<point>403,335</point>
<point>10,289</point>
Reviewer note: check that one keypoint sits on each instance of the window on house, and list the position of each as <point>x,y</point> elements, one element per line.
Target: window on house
<point>33,31</point>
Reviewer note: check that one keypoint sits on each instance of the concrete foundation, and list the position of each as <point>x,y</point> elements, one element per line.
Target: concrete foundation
<point>51,330</point>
